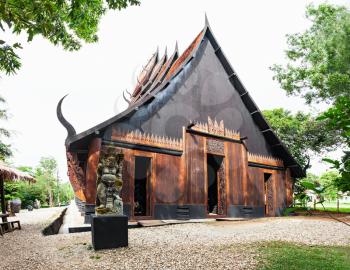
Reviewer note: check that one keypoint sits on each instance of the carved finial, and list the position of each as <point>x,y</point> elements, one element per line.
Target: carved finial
<point>126,90</point>
<point>206,23</point>
<point>176,46</point>
<point>127,100</point>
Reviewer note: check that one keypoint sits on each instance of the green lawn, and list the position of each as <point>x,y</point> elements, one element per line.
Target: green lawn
<point>283,255</point>
<point>332,206</point>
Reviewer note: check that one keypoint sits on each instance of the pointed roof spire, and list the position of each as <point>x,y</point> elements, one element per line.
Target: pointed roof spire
<point>166,51</point>
<point>206,21</point>
<point>176,47</point>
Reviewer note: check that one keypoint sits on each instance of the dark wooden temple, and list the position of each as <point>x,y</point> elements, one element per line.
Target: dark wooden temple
<point>195,144</point>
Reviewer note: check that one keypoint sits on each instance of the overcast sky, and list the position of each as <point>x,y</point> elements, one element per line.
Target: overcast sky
<point>251,33</point>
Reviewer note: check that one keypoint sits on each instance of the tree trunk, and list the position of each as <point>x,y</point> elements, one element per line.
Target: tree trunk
<point>338,203</point>
<point>50,197</point>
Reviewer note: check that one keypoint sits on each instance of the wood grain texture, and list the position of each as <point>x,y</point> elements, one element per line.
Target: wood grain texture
<point>237,173</point>
<point>255,186</point>
<point>76,176</point>
<point>168,185</point>
<point>289,188</point>
<point>195,177</point>
<point>91,169</point>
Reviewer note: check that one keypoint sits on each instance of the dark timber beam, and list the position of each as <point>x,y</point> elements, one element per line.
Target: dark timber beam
<point>212,135</point>
<point>258,165</point>
<point>292,166</point>
<point>231,75</point>
<point>217,49</point>
<point>276,145</point>
<point>143,147</point>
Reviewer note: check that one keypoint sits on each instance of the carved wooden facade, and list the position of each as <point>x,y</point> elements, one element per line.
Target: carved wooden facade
<point>191,132</point>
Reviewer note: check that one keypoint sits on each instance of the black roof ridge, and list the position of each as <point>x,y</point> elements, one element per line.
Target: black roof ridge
<point>232,76</point>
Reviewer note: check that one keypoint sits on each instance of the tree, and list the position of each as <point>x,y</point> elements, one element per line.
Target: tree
<point>303,135</point>
<point>66,23</point>
<point>46,173</point>
<point>318,69</point>
<point>328,180</point>
<point>5,149</point>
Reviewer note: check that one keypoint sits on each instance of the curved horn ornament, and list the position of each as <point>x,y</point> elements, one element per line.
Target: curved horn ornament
<point>68,126</point>
<point>126,90</point>
<point>128,101</point>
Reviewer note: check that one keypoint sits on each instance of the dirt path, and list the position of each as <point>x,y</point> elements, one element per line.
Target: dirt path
<point>214,245</point>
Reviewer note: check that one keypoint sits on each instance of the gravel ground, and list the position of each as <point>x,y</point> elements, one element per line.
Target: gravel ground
<point>219,245</point>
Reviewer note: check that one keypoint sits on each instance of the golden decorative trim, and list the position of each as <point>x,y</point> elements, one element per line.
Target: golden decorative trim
<point>137,137</point>
<point>266,160</point>
<point>213,127</point>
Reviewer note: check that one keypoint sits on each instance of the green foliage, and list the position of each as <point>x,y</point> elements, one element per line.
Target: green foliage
<point>11,190</point>
<point>283,255</point>
<point>328,180</point>
<point>338,118</point>
<point>46,188</point>
<point>65,23</point>
<point>342,183</point>
<point>319,58</point>
<point>5,149</point>
<point>303,135</point>
<point>28,192</point>
<point>319,70</point>
<point>289,210</point>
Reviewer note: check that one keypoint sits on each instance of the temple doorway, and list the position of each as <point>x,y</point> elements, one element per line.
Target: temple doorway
<point>142,186</point>
<point>216,193</point>
<point>268,195</point>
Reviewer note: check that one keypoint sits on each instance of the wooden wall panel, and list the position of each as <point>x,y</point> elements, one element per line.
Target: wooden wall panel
<point>237,173</point>
<point>195,169</point>
<point>169,186</point>
<point>280,191</point>
<point>289,188</point>
<point>255,187</point>
<point>128,176</point>
<point>243,170</point>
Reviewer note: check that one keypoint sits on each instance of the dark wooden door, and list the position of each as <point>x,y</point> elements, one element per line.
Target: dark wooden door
<point>142,187</point>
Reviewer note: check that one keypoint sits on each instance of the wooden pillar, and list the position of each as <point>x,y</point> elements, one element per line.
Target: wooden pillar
<point>91,170</point>
<point>91,177</point>
<point>2,193</point>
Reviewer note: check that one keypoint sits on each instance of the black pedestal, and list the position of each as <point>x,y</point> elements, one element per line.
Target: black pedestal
<point>109,231</point>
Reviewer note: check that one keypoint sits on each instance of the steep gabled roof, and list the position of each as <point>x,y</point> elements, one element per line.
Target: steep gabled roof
<point>166,73</point>
<point>151,78</point>
<point>145,74</point>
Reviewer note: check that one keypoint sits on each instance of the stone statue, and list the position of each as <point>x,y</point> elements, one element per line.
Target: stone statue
<point>109,184</point>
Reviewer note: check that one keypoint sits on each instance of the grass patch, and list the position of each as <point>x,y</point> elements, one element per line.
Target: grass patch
<point>283,255</point>
<point>287,211</point>
<point>333,209</point>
